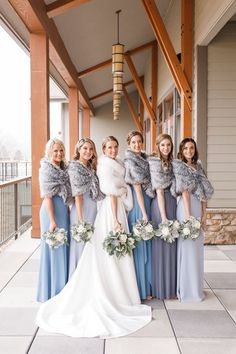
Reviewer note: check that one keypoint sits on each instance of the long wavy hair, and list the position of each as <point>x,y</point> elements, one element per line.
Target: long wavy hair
<point>93,161</point>
<point>180,155</point>
<point>166,162</point>
<point>49,150</point>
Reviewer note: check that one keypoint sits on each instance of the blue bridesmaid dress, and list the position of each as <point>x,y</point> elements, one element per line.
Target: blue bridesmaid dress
<point>143,251</point>
<point>53,273</point>
<point>89,214</point>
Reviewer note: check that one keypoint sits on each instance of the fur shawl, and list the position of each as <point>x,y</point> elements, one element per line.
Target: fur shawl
<point>84,179</point>
<point>111,178</point>
<point>54,180</point>
<point>194,181</point>
<point>137,171</point>
<point>161,177</point>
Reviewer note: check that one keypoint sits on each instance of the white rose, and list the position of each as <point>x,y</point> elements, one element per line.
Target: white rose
<point>131,240</point>
<point>176,225</point>
<point>186,231</point>
<point>81,229</point>
<point>136,231</point>
<point>60,237</point>
<point>196,224</point>
<point>165,231</point>
<point>148,228</point>
<point>123,238</point>
<point>49,242</point>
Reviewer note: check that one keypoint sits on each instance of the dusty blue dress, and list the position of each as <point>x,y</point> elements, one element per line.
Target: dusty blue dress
<point>137,172</point>
<point>190,257</point>
<point>164,265</point>
<point>89,213</point>
<point>84,181</point>
<point>53,272</point>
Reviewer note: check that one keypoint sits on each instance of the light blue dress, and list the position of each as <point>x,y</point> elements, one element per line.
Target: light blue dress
<point>53,273</point>
<point>190,258</point>
<point>190,253</point>
<point>143,251</point>
<point>89,214</point>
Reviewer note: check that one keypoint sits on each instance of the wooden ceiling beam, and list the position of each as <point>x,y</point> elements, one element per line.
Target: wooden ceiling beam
<point>109,91</point>
<point>108,62</point>
<point>139,86</point>
<point>34,16</point>
<point>167,49</point>
<point>132,111</point>
<point>58,7</point>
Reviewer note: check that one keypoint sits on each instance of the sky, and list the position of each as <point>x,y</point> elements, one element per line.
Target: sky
<point>15,126</point>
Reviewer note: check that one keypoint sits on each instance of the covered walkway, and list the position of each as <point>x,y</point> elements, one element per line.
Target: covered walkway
<point>207,327</point>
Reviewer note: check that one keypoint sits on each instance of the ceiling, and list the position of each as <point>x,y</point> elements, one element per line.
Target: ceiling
<point>88,32</point>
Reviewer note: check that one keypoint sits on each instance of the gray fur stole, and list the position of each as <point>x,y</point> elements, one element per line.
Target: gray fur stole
<point>162,176</point>
<point>54,180</point>
<point>194,181</point>
<point>137,171</point>
<point>84,179</point>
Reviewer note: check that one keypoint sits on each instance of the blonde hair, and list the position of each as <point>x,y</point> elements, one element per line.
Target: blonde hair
<point>78,146</point>
<point>108,138</point>
<point>49,149</point>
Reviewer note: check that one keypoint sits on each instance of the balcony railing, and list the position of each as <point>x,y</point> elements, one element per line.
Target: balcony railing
<point>14,169</point>
<point>15,207</point>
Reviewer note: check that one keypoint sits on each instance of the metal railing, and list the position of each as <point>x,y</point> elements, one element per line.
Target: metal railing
<point>14,169</point>
<point>15,208</point>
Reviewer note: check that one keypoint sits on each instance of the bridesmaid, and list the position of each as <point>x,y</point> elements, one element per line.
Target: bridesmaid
<point>194,189</point>
<point>85,190</point>
<point>138,176</point>
<point>56,193</point>
<point>163,208</point>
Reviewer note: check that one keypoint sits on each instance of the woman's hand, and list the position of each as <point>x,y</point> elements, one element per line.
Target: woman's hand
<point>117,226</point>
<point>52,226</point>
<point>203,220</point>
<point>145,218</point>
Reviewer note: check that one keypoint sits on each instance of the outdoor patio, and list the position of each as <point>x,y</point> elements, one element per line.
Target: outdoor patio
<point>207,327</point>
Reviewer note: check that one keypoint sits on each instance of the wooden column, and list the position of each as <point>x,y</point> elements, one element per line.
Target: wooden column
<point>86,123</point>
<point>39,115</point>
<point>154,95</point>
<point>186,62</point>
<point>73,118</point>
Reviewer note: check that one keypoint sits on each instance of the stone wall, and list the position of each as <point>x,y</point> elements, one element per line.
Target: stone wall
<point>220,226</point>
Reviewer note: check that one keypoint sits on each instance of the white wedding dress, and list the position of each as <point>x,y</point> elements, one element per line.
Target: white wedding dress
<point>101,299</point>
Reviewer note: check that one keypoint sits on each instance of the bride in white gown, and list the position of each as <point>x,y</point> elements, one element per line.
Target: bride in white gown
<point>101,299</point>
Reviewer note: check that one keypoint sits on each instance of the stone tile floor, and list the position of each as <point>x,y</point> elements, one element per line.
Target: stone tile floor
<point>208,327</point>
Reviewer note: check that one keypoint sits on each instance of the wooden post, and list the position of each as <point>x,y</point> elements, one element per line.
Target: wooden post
<point>86,123</point>
<point>186,62</point>
<point>154,95</point>
<point>39,54</point>
<point>73,118</point>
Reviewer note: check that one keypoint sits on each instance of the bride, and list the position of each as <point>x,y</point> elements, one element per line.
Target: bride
<point>101,299</point>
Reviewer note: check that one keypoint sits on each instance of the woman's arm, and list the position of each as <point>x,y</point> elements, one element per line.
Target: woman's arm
<point>116,223</point>
<point>203,218</point>
<point>139,194</point>
<point>186,200</point>
<point>161,204</point>
<point>79,200</point>
<point>50,209</point>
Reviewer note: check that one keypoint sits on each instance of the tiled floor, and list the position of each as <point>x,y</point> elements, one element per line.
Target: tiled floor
<point>208,327</point>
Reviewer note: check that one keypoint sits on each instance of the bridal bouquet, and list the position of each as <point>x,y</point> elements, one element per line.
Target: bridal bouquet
<point>190,228</point>
<point>55,238</point>
<point>143,230</point>
<point>119,243</point>
<point>82,231</point>
<point>168,230</point>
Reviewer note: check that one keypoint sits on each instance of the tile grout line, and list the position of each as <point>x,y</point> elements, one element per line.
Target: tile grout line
<point>32,340</point>
<point>19,269</point>
<point>176,339</point>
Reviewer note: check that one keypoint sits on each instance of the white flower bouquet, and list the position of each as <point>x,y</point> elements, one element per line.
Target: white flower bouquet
<point>143,230</point>
<point>119,243</point>
<point>82,232</point>
<point>168,230</point>
<point>190,228</point>
<point>55,238</point>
